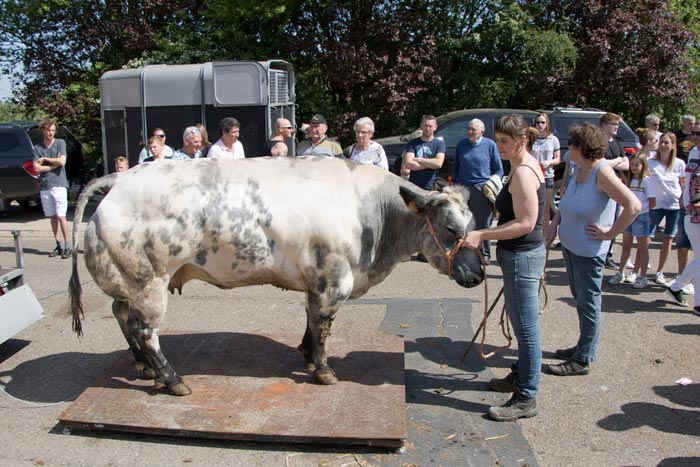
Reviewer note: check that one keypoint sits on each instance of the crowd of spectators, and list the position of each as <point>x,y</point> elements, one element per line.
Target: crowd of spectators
<point>606,193</point>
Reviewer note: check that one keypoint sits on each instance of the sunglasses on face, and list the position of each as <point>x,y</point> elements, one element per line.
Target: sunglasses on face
<point>160,136</point>
<point>541,122</point>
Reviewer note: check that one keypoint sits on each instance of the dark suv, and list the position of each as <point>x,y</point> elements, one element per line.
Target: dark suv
<point>17,182</point>
<point>452,127</point>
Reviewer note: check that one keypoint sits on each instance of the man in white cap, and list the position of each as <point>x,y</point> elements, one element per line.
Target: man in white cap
<point>318,144</point>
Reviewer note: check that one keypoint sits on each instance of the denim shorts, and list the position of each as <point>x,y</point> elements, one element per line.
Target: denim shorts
<point>549,182</point>
<point>671,216</point>
<point>640,226</point>
<point>682,240</point>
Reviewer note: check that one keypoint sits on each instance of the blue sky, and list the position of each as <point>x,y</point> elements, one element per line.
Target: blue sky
<point>5,87</point>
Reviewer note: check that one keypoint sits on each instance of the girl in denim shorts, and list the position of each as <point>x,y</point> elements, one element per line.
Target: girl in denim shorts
<point>641,185</point>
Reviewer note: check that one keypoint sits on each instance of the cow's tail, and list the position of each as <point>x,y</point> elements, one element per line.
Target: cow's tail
<point>99,185</point>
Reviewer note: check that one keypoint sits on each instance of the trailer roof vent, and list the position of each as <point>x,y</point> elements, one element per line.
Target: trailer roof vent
<point>279,87</point>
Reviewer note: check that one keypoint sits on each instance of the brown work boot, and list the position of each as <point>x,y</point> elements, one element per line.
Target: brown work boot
<point>506,384</point>
<point>518,406</point>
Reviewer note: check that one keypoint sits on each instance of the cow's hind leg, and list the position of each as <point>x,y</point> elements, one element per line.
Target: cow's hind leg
<point>329,290</point>
<point>147,313</point>
<point>129,325</point>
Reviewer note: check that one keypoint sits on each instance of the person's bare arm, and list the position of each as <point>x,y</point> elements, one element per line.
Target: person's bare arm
<point>608,182</point>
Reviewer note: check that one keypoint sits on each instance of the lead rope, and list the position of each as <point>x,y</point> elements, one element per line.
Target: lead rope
<point>504,322</point>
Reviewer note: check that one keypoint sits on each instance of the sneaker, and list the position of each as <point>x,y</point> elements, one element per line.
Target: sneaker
<point>696,311</point>
<point>518,406</point>
<point>570,368</point>
<point>66,252</point>
<point>678,296</point>
<point>616,279</point>
<point>55,252</point>
<point>640,283</point>
<point>629,265</point>
<point>610,263</point>
<point>566,354</point>
<point>506,384</point>
<point>631,277</point>
<point>689,289</point>
<point>660,279</point>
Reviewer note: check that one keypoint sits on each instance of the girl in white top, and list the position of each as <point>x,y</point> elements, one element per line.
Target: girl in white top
<point>668,176</point>
<point>546,149</point>
<point>366,151</point>
<point>641,185</point>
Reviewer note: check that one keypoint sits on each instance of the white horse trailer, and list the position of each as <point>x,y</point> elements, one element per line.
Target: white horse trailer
<point>135,101</point>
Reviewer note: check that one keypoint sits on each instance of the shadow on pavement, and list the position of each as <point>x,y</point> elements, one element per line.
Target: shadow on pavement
<point>680,462</point>
<point>688,396</point>
<point>55,378</point>
<point>685,329</point>
<point>658,417</point>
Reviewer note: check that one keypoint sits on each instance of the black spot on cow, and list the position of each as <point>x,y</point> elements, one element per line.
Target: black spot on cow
<point>201,256</point>
<point>174,250</point>
<point>366,247</point>
<point>321,253</point>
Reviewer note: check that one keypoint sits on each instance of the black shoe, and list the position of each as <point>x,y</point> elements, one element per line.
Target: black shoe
<point>696,311</point>
<point>612,264</point>
<point>57,251</point>
<point>678,296</point>
<point>570,368</point>
<point>506,384</point>
<point>566,354</point>
<point>66,252</point>
<point>518,406</point>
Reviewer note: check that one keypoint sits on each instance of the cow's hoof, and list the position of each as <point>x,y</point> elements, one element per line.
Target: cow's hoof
<point>143,371</point>
<point>180,389</point>
<point>325,376</point>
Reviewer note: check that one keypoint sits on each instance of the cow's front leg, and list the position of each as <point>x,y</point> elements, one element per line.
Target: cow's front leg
<point>329,292</point>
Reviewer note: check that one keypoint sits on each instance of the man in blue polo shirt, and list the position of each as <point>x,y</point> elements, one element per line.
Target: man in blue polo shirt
<point>476,160</point>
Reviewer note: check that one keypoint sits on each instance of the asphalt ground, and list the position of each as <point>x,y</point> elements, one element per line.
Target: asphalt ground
<point>629,411</point>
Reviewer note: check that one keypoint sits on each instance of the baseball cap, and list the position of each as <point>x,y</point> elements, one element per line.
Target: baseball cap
<point>318,118</point>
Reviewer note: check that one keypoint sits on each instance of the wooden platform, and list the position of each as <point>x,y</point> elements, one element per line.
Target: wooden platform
<point>256,387</point>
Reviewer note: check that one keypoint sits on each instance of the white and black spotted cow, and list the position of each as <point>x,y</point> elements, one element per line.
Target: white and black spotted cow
<point>327,227</point>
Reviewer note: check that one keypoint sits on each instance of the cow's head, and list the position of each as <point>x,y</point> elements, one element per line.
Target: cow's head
<point>451,219</point>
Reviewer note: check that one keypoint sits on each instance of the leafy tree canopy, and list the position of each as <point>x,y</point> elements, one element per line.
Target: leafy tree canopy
<point>389,60</point>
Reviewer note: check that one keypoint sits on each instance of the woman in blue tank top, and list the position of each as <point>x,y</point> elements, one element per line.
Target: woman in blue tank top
<point>586,224</point>
<point>521,256</point>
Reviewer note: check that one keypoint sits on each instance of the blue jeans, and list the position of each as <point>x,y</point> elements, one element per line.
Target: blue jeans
<point>521,280</point>
<point>586,281</point>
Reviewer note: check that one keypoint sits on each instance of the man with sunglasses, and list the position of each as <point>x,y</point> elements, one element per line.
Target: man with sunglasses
<point>278,144</point>
<point>167,150</point>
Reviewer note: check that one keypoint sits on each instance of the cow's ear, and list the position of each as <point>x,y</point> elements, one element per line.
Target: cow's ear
<point>414,200</point>
<point>440,184</point>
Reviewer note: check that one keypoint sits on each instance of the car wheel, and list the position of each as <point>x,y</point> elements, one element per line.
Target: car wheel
<point>556,197</point>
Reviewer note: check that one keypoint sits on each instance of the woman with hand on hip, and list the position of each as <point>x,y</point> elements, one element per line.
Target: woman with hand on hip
<point>586,224</point>
<point>521,256</point>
